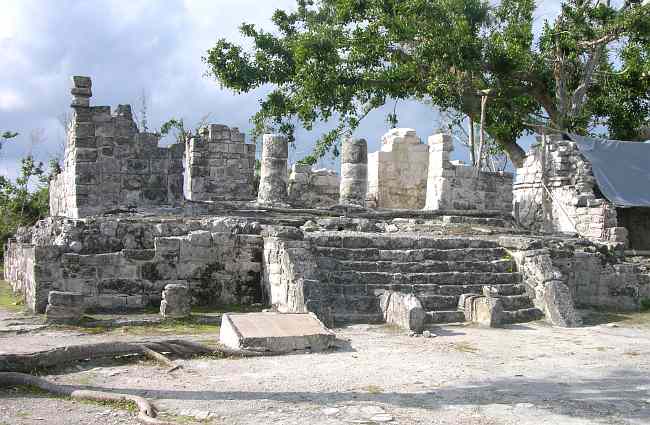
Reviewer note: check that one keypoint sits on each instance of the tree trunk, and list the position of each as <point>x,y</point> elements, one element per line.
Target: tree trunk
<point>515,152</point>
<point>472,144</point>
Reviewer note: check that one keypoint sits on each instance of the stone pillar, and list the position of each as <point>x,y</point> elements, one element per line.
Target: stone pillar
<point>274,176</point>
<point>354,172</point>
<point>81,91</point>
<point>64,307</point>
<point>440,147</point>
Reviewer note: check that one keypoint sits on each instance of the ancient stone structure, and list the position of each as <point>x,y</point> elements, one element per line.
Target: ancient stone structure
<point>124,263</point>
<point>274,175</point>
<point>220,165</point>
<point>556,191</point>
<point>397,174</point>
<point>344,263</point>
<point>354,172</point>
<point>454,186</point>
<point>175,302</point>
<point>110,165</point>
<point>310,188</point>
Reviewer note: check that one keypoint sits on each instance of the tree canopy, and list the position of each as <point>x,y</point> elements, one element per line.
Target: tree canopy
<point>587,71</point>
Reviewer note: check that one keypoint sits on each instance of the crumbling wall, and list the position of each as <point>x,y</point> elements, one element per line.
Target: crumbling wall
<point>595,277</point>
<point>571,201</point>
<point>313,188</point>
<point>122,263</point>
<point>109,164</point>
<point>397,174</point>
<point>454,186</point>
<point>220,166</point>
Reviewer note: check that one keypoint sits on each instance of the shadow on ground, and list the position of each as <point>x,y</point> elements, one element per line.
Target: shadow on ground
<point>624,394</point>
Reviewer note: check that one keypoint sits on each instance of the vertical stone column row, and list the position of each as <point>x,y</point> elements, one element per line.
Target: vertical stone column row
<point>440,148</point>
<point>274,175</point>
<point>354,172</point>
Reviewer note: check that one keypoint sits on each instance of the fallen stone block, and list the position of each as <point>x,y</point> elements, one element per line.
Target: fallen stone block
<point>275,332</point>
<point>175,302</point>
<point>559,305</point>
<point>403,310</point>
<point>485,311</point>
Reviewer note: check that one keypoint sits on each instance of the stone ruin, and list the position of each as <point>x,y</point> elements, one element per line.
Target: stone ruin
<point>404,236</point>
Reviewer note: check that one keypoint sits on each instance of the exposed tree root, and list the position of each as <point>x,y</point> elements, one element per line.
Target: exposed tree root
<point>12,367</point>
<point>146,410</point>
<point>30,362</point>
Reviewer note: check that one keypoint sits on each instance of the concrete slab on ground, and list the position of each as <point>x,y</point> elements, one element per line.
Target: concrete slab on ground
<point>275,332</point>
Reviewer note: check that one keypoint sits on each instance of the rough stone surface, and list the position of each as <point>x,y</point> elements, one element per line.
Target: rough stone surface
<point>403,310</point>
<point>485,311</point>
<point>574,204</point>
<point>275,332</point>
<point>219,165</point>
<point>313,188</point>
<point>274,175</point>
<point>397,174</point>
<point>354,172</point>
<point>175,301</point>
<point>109,164</point>
<point>124,263</point>
<point>559,305</point>
<point>64,307</point>
<point>462,187</point>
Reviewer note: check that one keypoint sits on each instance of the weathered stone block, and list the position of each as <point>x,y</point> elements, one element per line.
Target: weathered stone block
<point>175,301</point>
<point>403,310</point>
<point>275,332</point>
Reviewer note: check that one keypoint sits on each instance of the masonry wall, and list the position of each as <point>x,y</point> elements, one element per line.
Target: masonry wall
<point>397,174</point>
<point>220,165</point>
<point>455,186</point>
<point>313,188</point>
<point>574,204</point>
<point>110,165</point>
<point>120,263</point>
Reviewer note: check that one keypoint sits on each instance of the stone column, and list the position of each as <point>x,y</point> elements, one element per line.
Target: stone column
<point>440,147</point>
<point>354,172</point>
<point>274,176</point>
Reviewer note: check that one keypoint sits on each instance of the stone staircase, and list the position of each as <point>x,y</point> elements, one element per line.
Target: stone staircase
<point>357,266</point>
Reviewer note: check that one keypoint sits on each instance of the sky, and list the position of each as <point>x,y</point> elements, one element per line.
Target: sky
<point>133,46</point>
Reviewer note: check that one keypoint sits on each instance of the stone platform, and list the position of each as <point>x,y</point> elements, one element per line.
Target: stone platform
<point>275,332</point>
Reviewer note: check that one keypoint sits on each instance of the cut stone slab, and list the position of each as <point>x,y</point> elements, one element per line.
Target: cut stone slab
<point>275,332</point>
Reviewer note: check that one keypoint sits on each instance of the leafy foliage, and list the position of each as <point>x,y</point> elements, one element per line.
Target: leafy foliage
<point>23,201</point>
<point>341,59</point>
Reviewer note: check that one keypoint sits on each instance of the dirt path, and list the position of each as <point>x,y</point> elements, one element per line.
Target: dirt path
<point>526,374</point>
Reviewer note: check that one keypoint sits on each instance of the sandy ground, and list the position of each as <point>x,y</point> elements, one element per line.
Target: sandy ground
<point>523,374</point>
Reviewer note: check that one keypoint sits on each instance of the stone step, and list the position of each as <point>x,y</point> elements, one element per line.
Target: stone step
<point>516,302</point>
<point>438,302</point>
<point>417,255</point>
<point>506,289</point>
<point>495,266</point>
<point>445,316</point>
<point>420,281</point>
<point>523,315</point>
<point>397,242</point>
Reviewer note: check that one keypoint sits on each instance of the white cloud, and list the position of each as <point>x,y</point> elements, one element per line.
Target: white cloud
<point>10,100</point>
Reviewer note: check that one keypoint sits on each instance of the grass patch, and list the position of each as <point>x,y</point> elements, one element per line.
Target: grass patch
<point>9,300</point>
<point>187,326</point>
<point>464,347</point>
<point>645,304</point>
<point>600,317</point>
<point>373,389</point>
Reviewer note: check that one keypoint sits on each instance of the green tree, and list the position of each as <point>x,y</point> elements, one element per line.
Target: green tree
<point>25,200</point>
<point>588,69</point>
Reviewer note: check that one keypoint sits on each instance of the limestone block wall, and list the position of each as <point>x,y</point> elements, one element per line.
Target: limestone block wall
<point>313,188</point>
<point>125,263</point>
<point>454,186</point>
<point>574,204</point>
<point>397,174</point>
<point>594,278</point>
<point>110,165</point>
<point>220,165</point>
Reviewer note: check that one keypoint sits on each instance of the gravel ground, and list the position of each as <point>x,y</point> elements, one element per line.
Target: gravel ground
<point>523,374</point>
